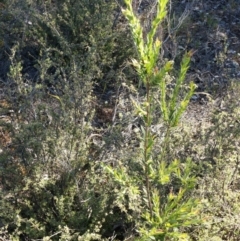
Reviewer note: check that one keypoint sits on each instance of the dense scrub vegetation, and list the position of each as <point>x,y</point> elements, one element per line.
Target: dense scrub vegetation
<point>101,137</point>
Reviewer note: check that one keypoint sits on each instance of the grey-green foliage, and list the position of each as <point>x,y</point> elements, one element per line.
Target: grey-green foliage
<point>53,181</point>
<point>219,187</point>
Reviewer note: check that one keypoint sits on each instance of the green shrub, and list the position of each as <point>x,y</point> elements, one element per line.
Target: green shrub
<point>153,192</point>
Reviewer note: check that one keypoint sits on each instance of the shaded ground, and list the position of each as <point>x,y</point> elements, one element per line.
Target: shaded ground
<point>212,29</point>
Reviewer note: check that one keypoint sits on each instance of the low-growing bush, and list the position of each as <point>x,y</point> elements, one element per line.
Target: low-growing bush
<point>58,55</point>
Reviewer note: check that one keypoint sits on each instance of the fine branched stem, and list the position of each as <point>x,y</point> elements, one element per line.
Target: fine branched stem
<point>165,143</point>
<point>146,146</point>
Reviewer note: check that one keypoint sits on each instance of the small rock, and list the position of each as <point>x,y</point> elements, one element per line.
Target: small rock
<point>235,64</point>
<point>194,97</point>
<point>230,51</point>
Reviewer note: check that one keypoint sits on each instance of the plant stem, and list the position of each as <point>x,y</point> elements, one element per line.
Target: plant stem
<point>164,144</point>
<point>146,146</point>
